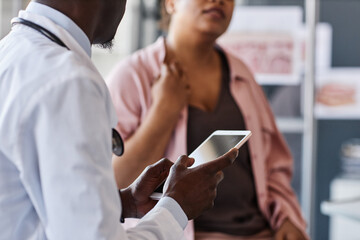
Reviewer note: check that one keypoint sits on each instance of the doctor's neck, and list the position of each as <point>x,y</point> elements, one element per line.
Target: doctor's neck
<point>87,14</point>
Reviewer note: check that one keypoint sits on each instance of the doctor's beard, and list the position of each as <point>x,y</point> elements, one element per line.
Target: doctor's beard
<point>107,45</point>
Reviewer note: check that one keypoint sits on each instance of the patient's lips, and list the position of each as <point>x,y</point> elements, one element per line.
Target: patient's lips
<point>215,12</point>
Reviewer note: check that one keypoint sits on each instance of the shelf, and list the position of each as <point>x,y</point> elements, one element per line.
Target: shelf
<point>290,125</point>
<point>349,209</point>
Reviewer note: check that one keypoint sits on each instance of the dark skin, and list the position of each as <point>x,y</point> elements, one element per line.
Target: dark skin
<point>194,189</point>
<point>98,19</point>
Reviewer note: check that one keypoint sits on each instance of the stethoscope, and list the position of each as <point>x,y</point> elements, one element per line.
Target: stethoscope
<point>117,142</point>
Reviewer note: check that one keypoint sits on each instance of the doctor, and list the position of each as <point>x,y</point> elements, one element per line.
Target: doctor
<point>56,117</point>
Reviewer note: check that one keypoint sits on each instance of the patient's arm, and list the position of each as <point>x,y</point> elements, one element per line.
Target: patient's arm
<point>148,143</point>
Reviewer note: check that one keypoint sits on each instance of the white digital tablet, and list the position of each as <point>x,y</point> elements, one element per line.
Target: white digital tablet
<point>217,144</point>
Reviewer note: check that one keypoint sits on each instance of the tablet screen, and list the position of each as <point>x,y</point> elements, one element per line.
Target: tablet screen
<point>215,146</point>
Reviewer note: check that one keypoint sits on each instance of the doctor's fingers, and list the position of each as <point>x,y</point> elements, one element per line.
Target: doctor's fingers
<point>221,162</point>
<point>159,168</point>
<point>153,175</point>
<point>184,162</point>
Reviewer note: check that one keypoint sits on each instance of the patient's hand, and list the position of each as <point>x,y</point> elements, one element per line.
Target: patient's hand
<point>288,231</point>
<point>171,91</point>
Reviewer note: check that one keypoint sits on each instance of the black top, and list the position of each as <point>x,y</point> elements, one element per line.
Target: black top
<point>236,211</point>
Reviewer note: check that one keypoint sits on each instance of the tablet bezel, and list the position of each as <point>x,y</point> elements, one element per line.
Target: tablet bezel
<point>247,134</point>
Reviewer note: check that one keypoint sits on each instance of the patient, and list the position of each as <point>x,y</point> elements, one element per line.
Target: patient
<point>173,94</point>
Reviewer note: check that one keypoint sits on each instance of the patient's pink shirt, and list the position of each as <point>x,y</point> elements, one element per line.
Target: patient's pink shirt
<point>130,87</point>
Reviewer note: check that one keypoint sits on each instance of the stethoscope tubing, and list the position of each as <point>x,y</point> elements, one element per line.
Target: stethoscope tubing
<point>117,142</point>
<point>41,30</point>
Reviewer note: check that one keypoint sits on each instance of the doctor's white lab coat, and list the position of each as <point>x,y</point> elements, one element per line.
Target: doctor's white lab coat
<point>56,180</point>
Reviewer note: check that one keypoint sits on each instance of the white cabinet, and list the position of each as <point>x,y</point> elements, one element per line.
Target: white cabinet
<point>344,209</point>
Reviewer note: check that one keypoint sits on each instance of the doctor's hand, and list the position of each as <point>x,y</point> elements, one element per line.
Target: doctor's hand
<point>171,91</point>
<point>195,188</point>
<point>136,201</point>
<point>288,231</point>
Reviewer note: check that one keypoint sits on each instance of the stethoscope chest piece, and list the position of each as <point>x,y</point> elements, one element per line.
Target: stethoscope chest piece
<point>117,143</point>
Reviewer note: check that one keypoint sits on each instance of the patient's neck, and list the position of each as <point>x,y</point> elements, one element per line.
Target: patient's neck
<point>193,51</point>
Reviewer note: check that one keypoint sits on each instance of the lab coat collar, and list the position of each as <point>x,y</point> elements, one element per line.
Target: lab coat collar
<point>63,21</point>
<point>68,40</point>
<point>59,31</point>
